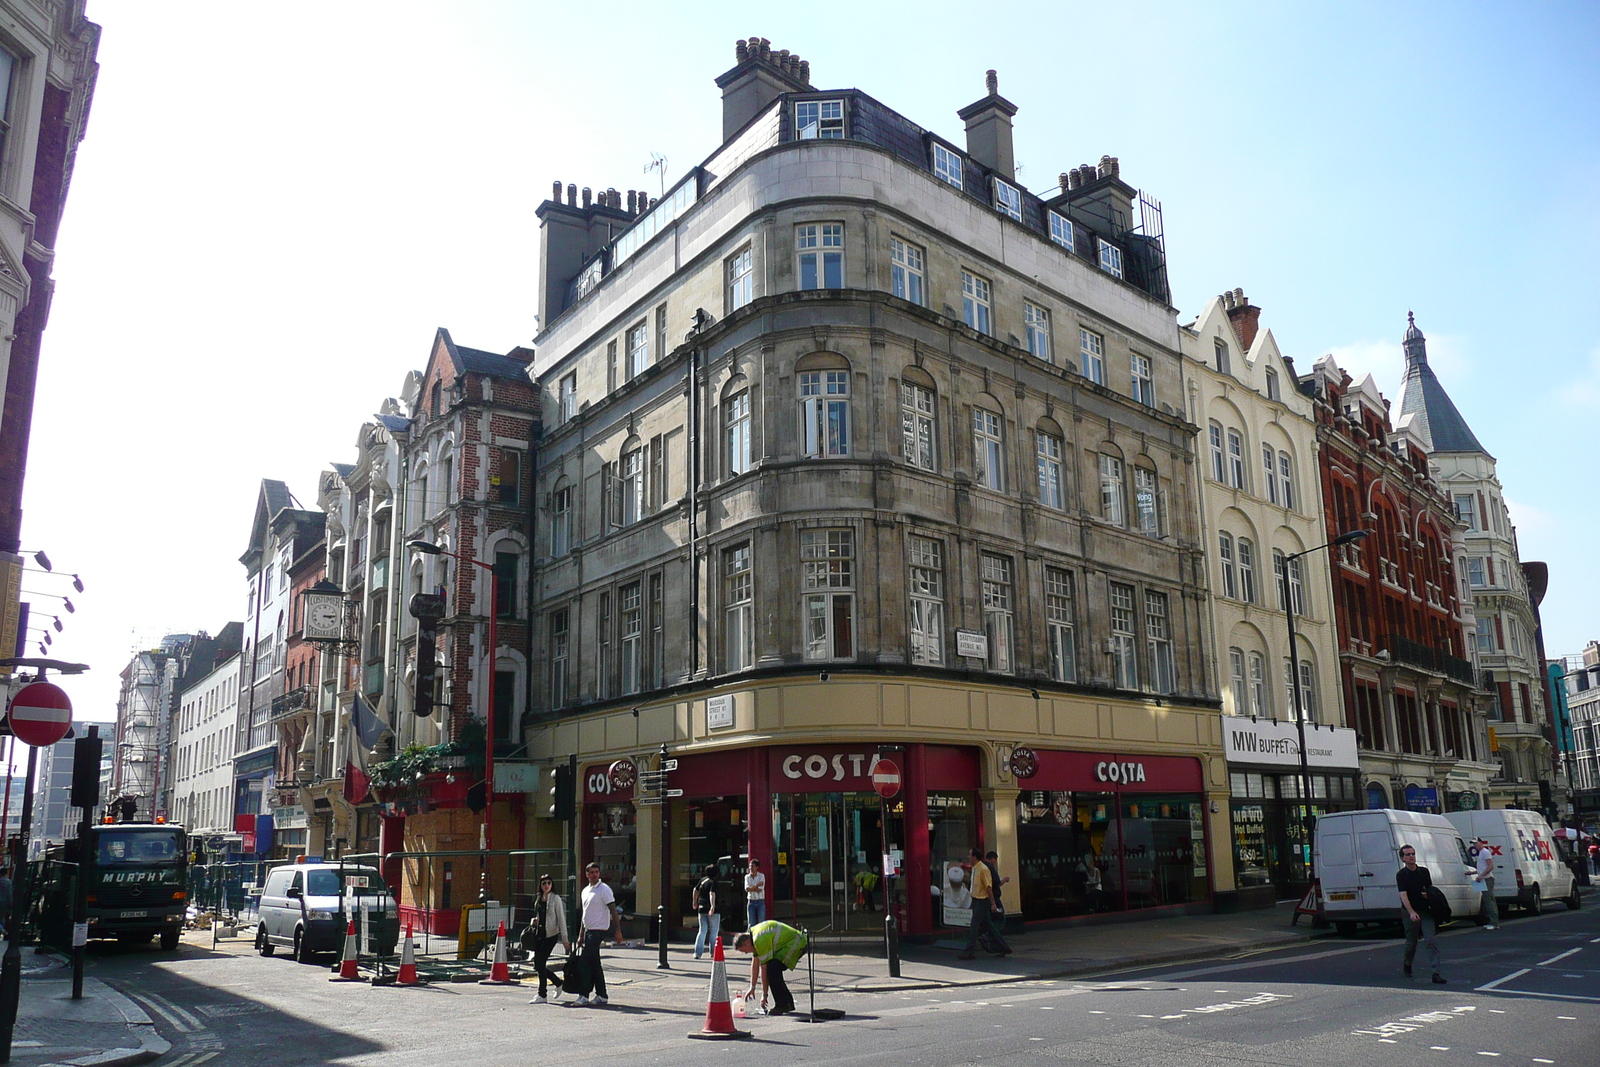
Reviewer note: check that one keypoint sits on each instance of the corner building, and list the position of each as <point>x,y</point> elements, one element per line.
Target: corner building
<point>853,449</point>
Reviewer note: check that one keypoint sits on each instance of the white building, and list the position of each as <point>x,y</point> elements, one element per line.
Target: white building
<point>1260,505</point>
<point>205,731</point>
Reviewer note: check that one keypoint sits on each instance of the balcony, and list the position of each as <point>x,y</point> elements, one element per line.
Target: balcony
<point>292,701</point>
<point>1404,650</point>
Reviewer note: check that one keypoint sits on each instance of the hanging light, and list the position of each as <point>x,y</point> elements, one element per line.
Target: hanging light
<point>58,622</point>
<point>77,583</point>
<point>68,602</point>
<point>42,560</point>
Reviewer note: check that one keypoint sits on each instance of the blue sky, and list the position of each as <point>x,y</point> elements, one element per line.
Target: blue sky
<point>277,204</point>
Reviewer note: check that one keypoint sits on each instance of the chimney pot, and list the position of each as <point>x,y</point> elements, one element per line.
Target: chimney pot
<point>652,201</point>
<point>1227,299</point>
<point>766,49</point>
<point>1072,179</point>
<point>555,193</point>
<point>741,51</point>
<point>1107,168</point>
<point>1238,295</point>
<point>1062,180</point>
<point>750,87</point>
<point>991,81</point>
<point>572,195</point>
<point>633,201</point>
<point>587,197</point>
<point>805,71</point>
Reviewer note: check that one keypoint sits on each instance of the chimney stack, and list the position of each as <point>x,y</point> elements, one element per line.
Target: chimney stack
<point>759,76</point>
<point>989,129</point>
<point>1244,316</point>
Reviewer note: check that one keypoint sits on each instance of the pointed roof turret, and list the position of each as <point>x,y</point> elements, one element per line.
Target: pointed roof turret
<point>1437,419</point>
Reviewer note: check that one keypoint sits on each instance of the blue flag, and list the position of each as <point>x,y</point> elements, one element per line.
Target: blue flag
<point>369,728</point>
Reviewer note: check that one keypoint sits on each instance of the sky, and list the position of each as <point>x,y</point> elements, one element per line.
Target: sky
<point>276,205</point>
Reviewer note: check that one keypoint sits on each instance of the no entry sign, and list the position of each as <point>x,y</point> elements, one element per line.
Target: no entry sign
<point>886,778</point>
<point>41,714</point>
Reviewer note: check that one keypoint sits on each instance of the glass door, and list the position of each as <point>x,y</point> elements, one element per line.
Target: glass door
<point>830,856</point>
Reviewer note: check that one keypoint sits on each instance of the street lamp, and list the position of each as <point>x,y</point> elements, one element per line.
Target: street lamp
<point>1347,538</point>
<point>428,548</point>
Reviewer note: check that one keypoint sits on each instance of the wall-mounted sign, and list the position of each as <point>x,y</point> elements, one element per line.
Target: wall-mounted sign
<point>1278,743</point>
<point>1024,762</point>
<point>719,712</point>
<point>973,644</point>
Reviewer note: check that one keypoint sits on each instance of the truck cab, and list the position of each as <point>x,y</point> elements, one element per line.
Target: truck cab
<point>138,875</point>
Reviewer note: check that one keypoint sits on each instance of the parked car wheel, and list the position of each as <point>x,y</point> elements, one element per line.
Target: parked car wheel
<point>1574,901</point>
<point>1535,903</point>
<point>302,947</point>
<point>263,946</point>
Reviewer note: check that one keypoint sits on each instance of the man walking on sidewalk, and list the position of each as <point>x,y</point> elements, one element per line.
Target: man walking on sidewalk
<point>984,909</point>
<point>1484,877</point>
<point>1416,915</point>
<point>600,916</point>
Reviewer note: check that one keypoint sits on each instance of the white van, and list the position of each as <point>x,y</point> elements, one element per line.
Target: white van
<point>1357,856</point>
<point>1527,868</point>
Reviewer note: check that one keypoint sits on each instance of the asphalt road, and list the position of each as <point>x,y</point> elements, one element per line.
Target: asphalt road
<point>1528,993</point>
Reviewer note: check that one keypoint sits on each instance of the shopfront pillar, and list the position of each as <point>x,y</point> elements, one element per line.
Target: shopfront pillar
<point>1000,834</point>
<point>758,815</point>
<point>918,875</point>
<point>391,838</point>
<point>647,840</point>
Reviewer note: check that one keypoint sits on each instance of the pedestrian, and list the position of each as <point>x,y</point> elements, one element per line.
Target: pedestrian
<point>774,948</point>
<point>549,926</point>
<point>1416,914</point>
<point>1484,877</point>
<point>984,909</point>
<point>5,899</point>
<point>704,900</point>
<point>991,859</point>
<point>755,894</point>
<point>600,916</point>
<point>1594,859</point>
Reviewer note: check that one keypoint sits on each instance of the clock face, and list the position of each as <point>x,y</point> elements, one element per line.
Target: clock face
<point>322,616</point>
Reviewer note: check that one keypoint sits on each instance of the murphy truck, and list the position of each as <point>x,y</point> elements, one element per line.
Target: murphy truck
<point>138,885</point>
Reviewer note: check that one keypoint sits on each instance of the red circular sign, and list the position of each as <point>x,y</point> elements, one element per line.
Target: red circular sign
<point>886,778</point>
<point>41,714</point>
<point>1024,762</point>
<point>623,773</point>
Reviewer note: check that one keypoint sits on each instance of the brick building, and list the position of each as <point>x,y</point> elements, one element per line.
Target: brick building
<point>1409,686</point>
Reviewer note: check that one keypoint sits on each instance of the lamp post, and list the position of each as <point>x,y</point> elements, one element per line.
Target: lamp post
<point>1346,538</point>
<point>428,548</point>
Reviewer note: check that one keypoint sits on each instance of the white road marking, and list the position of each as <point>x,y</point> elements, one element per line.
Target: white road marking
<point>1561,956</point>
<point>1092,1012</point>
<point>1497,1011</point>
<point>1536,1059</point>
<point>1047,1007</point>
<point>1501,981</point>
<point>150,1002</point>
<point>1569,1018</point>
<point>1035,1039</point>
<point>1147,1016</point>
<point>1572,976</point>
<point>1440,1048</point>
<point>1174,1016</point>
<point>1488,1053</point>
<point>1388,1041</point>
<point>1552,996</point>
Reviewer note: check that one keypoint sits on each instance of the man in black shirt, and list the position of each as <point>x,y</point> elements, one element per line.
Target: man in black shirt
<point>1415,915</point>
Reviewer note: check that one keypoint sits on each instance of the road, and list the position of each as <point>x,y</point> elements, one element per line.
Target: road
<point>1528,993</point>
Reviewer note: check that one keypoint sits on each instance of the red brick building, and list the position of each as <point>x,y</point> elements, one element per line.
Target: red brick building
<point>1409,687</point>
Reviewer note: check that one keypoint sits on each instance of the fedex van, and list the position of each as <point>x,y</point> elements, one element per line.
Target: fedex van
<point>1527,868</point>
<point>1357,855</point>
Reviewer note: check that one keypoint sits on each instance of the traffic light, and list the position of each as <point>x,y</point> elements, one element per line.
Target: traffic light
<point>427,667</point>
<point>563,794</point>
<point>86,771</point>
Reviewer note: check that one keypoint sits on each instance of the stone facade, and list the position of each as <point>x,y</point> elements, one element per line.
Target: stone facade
<point>847,441</point>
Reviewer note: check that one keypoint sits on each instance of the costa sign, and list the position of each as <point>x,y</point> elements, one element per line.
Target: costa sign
<point>1121,773</point>
<point>830,768</point>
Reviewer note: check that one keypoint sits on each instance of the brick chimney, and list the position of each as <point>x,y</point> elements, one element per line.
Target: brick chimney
<point>1245,317</point>
<point>759,77</point>
<point>989,129</point>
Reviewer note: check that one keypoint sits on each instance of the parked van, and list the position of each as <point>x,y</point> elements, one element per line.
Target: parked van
<point>1528,869</point>
<point>302,907</point>
<point>1357,855</point>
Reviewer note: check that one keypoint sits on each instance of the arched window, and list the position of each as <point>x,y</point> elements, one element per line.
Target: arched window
<point>824,406</point>
<point>1219,469</point>
<point>1230,586</point>
<point>918,420</point>
<point>1286,479</point>
<point>1260,701</point>
<point>1240,690</point>
<point>1236,474</point>
<point>1147,499</point>
<point>1048,449</point>
<point>1113,507</point>
<point>1247,570</point>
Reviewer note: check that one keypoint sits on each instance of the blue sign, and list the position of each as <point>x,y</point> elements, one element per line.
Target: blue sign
<point>1421,798</point>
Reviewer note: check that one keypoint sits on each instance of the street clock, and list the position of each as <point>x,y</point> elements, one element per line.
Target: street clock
<point>322,613</point>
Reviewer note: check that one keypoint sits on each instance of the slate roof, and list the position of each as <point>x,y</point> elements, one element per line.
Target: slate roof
<point>1437,419</point>
<point>477,361</point>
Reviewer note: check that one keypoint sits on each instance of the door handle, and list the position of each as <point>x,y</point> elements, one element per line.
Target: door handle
<point>1367,874</point>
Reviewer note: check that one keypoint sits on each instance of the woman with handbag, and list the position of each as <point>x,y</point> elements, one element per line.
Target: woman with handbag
<point>1416,911</point>
<point>549,925</point>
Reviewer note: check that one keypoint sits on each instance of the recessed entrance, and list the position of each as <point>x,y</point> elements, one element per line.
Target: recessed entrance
<point>830,861</point>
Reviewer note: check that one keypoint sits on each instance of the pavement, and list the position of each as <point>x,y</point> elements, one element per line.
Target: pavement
<point>860,966</point>
<point>104,1029</point>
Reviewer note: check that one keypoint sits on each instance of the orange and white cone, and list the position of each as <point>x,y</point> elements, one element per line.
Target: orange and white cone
<point>719,1010</point>
<point>347,964</point>
<point>408,962</point>
<point>500,970</point>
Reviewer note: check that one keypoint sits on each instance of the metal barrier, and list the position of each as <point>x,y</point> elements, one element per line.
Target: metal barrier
<point>223,897</point>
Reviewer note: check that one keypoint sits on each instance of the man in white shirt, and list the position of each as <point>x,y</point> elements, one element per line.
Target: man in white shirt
<point>600,917</point>
<point>1484,878</point>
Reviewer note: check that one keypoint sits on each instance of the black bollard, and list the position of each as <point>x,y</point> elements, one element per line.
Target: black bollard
<point>891,937</point>
<point>661,936</point>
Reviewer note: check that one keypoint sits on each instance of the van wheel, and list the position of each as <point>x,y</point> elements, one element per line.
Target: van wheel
<point>263,946</point>
<point>302,950</point>
<point>1535,901</point>
<point>1573,902</point>
<point>1346,929</point>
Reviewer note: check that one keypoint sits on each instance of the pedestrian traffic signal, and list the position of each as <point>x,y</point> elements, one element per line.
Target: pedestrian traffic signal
<point>563,795</point>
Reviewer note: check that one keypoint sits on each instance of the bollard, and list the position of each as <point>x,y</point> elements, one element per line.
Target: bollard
<point>661,936</point>
<point>891,937</point>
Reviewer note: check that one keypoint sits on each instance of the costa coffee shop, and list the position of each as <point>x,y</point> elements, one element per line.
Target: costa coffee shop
<point>1271,849</point>
<point>859,795</point>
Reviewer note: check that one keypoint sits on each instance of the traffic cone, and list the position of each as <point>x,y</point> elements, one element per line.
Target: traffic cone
<point>500,970</point>
<point>347,965</point>
<point>408,963</point>
<point>719,1011</point>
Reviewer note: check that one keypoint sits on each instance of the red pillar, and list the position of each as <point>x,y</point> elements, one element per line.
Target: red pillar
<point>758,799</point>
<point>918,875</point>
<point>391,838</point>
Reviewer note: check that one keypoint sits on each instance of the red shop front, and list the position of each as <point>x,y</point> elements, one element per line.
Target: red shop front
<point>1104,832</point>
<point>811,815</point>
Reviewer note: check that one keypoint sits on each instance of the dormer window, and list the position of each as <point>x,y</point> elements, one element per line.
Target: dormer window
<point>1223,365</point>
<point>947,165</point>
<point>1007,199</point>
<point>1061,230</point>
<point>815,119</point>
<point>1274,392</point>
<point>1110,258</point>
